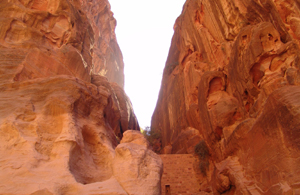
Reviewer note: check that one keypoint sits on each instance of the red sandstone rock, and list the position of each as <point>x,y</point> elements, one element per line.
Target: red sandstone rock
<point>120,114</point>
<point>48,136</point>
<point>57,137</point>
<point>135,137</point>
<point>60,120</point>
<point>233,74</point>
<point>107,56</point>
<point>186,141</point>
<point>59,38</point>
<point>137,168</point>
<point>47,39</point>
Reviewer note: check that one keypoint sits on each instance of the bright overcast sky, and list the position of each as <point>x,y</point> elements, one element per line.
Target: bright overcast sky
<point>144,32</point>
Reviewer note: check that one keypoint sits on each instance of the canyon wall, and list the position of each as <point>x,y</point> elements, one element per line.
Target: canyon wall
<point>61,38</point>
<point>63,109</point>
<point>231,88</point>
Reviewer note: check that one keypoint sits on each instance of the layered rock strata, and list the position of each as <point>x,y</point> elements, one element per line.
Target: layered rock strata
<point>60,37</point>
<point>42,39</point>
<point>233,75</point>
<point>107,56</point>
<point>63,109</point>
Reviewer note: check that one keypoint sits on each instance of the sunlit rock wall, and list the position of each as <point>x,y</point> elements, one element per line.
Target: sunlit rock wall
<point>61,37</point>
<point>107,56</point>
<point>63,109</point>
<point>232,80</point>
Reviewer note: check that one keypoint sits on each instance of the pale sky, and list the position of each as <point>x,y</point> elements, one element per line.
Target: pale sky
<point>144,32</point>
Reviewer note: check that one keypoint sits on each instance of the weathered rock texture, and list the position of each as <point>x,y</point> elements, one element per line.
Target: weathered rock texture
<point>107,57</point>
<point>233,74</point>
<point>137,168</point>
<point>62,104</point>
<point>59,37</point>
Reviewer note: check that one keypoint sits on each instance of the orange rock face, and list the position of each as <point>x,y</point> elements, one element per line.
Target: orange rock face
<point>47,39</point>
<point>233,74</point>
<point>59,38</point>
<point>107,57</point>
<point>63,109</point>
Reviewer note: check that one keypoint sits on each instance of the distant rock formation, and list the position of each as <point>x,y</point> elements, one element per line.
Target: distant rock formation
<point>63,109</point>
<point>233,74</point>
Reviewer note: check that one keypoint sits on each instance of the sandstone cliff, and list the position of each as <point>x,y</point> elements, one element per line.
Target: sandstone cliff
<point>232,80</point>
<point>60,38</point>
<point>63,109</point>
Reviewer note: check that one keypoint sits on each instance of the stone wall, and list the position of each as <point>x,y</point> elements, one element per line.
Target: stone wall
<point>179,176</point>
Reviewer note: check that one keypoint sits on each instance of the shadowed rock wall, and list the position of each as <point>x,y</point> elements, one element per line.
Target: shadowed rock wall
<point>232,75</point>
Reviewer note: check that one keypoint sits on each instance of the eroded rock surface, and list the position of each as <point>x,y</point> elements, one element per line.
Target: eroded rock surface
<point>107,56</point>
<point>63,109</point>
<point>233,74</point>
<point>59,37</point>
<point>54,136</point>
<point>137,168</point>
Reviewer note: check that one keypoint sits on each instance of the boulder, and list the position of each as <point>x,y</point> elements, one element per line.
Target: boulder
<point>135,137</point>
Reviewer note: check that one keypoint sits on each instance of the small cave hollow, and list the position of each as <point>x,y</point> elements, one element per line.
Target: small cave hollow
<point>270,36</point>
<point>216,84</point>
<point>218,132</point>
<point>244,39</point>
<point>256,74</point>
